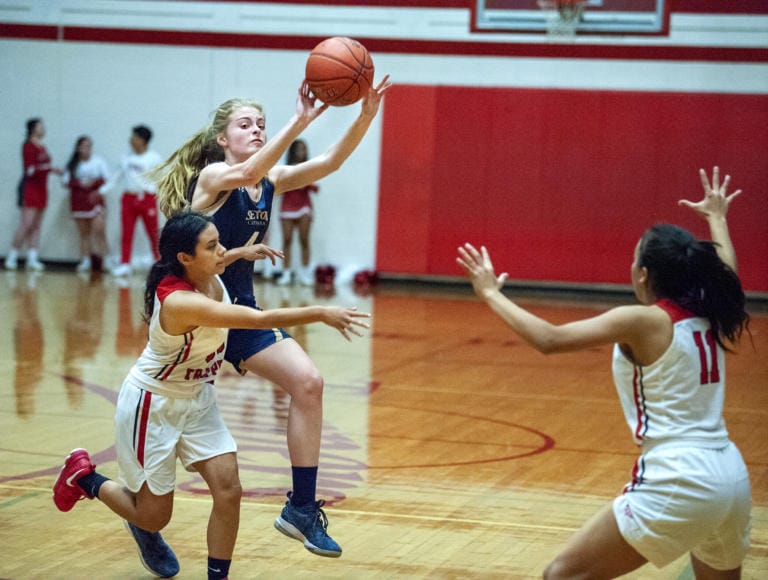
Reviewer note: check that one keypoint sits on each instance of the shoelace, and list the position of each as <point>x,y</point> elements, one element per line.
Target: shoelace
<point>321,514</point>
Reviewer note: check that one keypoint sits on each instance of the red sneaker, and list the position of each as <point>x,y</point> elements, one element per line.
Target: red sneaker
<point>66,492</point>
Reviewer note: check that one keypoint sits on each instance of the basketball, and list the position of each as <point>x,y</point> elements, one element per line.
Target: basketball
<point>339,71</point>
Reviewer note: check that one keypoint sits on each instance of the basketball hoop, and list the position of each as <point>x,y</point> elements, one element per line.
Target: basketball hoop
<point>563,16</point>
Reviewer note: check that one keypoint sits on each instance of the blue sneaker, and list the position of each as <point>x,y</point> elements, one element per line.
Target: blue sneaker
<point>308,524</point>
<point>155,554</point>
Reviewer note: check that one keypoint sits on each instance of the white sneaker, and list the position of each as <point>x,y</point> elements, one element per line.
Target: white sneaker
<point>84,265</point>
<point>285,278</point>
<point>122,270</point>
<point>34,265</point>
<point>11,262</point>
<point>306,277</point>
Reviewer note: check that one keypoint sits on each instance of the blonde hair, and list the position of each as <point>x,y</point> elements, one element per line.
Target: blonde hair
<point>173,177</point>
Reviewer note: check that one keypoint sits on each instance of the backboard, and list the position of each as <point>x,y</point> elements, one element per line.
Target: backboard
<point>598,17</point>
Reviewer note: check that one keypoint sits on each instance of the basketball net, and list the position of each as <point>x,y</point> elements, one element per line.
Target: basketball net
<point>563,16</point>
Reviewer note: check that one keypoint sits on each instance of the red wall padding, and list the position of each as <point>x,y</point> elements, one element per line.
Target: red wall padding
<point>560,184</point>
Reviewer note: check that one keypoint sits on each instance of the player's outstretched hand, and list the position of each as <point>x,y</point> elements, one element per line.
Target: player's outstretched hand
<point>372,98</point>
<point>345,320</point>
<point>306,104</point>
<point>716,200</point>
<point>478,267</point>
<point>262,252</point>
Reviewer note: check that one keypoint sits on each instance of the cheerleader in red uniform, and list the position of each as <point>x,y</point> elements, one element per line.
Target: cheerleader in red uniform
<point>33,196</point>
<point>85,174</point>
<point>296,214</point>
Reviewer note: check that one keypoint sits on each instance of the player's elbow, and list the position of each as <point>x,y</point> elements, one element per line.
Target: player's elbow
<point>545,347</point>
<point>546,342</point>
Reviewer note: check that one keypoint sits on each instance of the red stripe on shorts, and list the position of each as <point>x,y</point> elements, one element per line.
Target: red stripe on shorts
<point>143,427</point>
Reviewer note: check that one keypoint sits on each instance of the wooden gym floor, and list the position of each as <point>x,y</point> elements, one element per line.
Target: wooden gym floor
<point>450,449</point>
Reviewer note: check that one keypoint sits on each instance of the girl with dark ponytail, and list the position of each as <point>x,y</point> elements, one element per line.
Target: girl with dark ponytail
<point>689,272</point>
<point>690,490</point>
<point>166,409</point>
<point>180,234</point>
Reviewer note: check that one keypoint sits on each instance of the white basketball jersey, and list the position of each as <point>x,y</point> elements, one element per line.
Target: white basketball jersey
<point>679,396</point>
<point>179,366</point>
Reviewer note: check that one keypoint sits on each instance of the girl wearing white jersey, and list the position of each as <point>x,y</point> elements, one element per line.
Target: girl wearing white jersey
<point>167,409</point>
<point>690,490</point>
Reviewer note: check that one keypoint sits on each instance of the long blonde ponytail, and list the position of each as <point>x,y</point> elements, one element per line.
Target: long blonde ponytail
<point>174,175</point>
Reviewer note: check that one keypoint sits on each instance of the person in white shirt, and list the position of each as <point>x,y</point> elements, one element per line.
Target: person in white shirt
<point>690,490</point>
<point>138,199</point>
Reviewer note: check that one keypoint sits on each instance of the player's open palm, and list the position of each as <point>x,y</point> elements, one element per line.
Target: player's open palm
<point>479,268</point>
<point>346,320</point>
<point>716,200</point>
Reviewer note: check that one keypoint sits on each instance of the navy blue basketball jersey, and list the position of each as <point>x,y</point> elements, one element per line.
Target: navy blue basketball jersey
<point>242,222</point>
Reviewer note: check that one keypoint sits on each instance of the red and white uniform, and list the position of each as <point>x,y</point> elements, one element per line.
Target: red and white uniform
<point>690,488</point>
<point>85,200</point>
<point>130,175</point>
<point>297,202</point>
<point>37,166</point>
<point>680,396</point>
<point>179,366</point>
<point>138,200</point>
<point>167,408</point>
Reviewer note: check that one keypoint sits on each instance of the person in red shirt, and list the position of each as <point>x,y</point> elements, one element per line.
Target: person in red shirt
<point>33,196</point>
<point>85,174</point>
<point>296,215</point>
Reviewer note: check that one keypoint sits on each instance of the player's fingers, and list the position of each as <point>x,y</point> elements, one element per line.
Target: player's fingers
<point>704,179</point>
<point>724,187</point>
<point>382,83</point>
<point>730,198</point>
<point>464,257</point>
<point>472,251</point>
<point>486,258</point>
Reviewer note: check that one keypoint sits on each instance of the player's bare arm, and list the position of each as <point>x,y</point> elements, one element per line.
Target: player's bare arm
<point>290,177</point>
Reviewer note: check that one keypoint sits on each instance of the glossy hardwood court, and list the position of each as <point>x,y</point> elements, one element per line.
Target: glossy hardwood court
<point>450,449</point>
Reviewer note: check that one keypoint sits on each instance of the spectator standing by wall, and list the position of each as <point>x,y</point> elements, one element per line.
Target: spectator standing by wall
<point>33,197</point>
<point>296,216</point>
<point>85,174</point>
<point>138,199</point>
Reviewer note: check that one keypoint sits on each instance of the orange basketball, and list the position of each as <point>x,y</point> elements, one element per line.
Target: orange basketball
<point>339,71</point>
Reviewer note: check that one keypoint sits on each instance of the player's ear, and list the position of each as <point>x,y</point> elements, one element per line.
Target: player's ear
<point>221,139</point>
<point>184,258</point>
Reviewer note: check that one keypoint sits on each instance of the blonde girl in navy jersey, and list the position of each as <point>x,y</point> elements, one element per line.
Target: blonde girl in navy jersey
<point>228,170</point>
<point>166,409</point>
<point>690,489</point>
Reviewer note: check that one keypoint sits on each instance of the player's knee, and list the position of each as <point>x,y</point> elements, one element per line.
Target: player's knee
<point>560,568</point>
<point>154,522</point>
<point>309,387</point>
<point>228,492</point>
